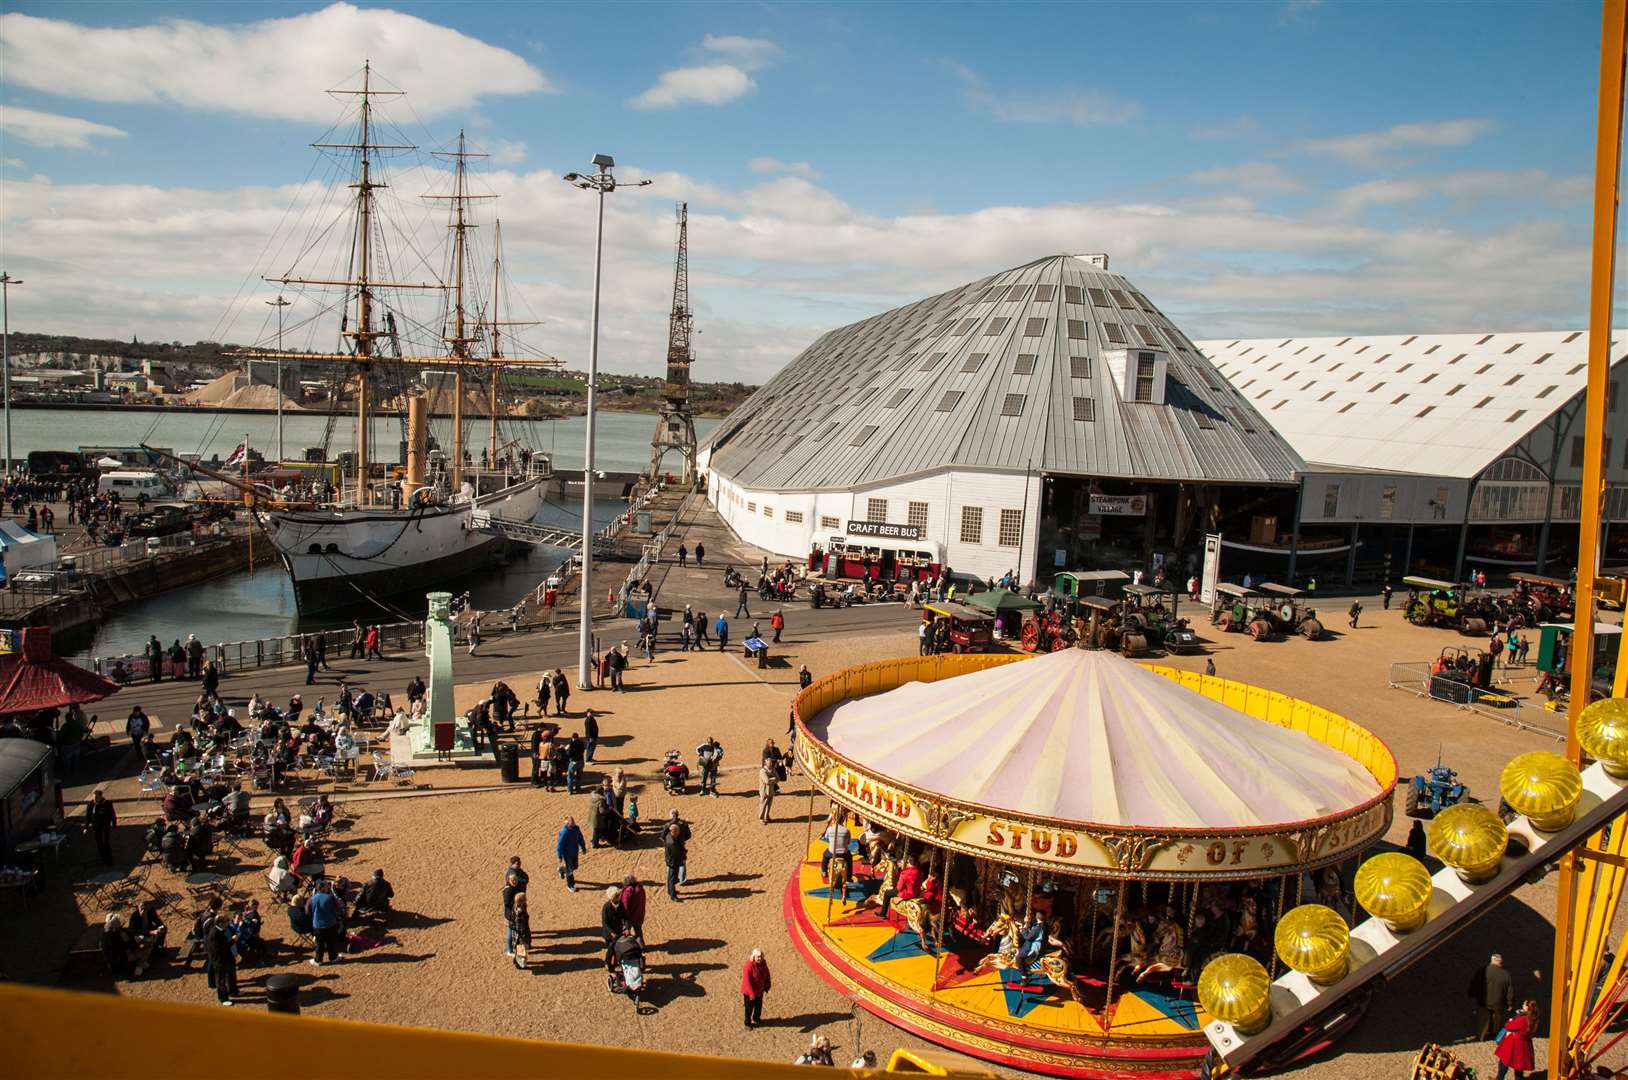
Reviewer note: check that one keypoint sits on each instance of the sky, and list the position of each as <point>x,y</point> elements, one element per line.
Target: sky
<point>1257,169</point>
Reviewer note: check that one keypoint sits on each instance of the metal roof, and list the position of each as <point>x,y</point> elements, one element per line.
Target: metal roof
<point>1003,373</point>
<point>1431,404</point>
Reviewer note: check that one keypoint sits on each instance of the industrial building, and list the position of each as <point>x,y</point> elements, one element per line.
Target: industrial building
<point>1046,416</point>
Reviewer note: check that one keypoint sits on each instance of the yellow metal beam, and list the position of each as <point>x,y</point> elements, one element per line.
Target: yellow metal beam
<point>58,1033</point>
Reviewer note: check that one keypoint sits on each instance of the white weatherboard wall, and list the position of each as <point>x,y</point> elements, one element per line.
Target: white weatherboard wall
<point>759,517</point>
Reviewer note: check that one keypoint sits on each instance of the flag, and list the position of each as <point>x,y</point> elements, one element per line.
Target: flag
<point>239,454</point>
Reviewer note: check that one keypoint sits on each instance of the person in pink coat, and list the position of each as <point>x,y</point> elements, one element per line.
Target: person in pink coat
<point>754,985</point>
<point>1514,1050</point>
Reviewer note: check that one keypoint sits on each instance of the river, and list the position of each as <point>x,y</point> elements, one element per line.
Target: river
<point>246,605</point>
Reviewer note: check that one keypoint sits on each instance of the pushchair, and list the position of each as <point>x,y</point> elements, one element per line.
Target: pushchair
<point>626,974</point>
<point>675,775</point>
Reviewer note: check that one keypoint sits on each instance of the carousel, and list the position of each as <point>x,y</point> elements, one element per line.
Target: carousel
<point>1044,852</point>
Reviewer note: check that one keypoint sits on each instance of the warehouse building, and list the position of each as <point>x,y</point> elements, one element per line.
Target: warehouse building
<point>1435,454</point>
<point>1043,417</point>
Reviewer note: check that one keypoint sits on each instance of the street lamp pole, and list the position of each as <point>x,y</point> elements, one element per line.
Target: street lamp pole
<point>279,304</point>
<point>6,282</point>
<point>602,183</point>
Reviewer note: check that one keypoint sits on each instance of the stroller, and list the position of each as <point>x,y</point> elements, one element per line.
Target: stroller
<point>626,975</point>
<point>675,775</point>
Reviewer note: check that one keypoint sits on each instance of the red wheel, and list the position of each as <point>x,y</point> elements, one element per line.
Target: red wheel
<point>1058,644</point>
<point>1260,629</point>
<point>1225,622</point>
<point>1031,636</point>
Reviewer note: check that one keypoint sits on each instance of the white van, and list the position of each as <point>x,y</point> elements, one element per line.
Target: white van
<point>130,483</point>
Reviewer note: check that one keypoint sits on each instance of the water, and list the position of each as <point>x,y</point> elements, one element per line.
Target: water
<point>243,606</point>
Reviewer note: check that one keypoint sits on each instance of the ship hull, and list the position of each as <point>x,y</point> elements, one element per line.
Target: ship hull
<point>342,559</point>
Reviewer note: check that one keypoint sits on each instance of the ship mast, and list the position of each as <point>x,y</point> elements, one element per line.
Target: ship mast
<point>497,345</point>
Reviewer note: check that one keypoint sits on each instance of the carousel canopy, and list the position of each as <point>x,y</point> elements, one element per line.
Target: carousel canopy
<point>1088,736</point>
<point>35,678</point>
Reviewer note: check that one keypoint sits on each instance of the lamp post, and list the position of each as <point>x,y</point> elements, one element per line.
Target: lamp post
<point>6,282</point>
<point>279,304</point>
<point>602,182</point>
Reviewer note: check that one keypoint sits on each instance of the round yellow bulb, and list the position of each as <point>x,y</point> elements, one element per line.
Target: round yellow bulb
<point>1314,940</point>
<point>1603,731</point>
<point>1470,838</point>
<point>1236,988</point>
<point>1394,888</point>
<point>1544,786</point>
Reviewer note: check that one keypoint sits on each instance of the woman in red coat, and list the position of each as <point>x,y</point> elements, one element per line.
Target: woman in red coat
<point>754,984</point>
<point>1514,1050</point>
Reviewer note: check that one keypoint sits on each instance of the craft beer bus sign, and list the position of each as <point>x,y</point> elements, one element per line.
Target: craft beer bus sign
<point>884,529</point>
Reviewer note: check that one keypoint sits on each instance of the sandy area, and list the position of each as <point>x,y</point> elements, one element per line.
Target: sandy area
<point>443,963</point>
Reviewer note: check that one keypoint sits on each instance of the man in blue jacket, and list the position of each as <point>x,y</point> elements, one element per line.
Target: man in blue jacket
<point>568,847</point>
<point>722,630</point>
<point>325,912</point>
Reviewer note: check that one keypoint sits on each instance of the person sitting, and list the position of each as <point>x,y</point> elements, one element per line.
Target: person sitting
<point>247,944</point>
<point>283,881</point>
<point>145,925</point>
<point>120,949</point>
<point>155,835</point>
<point>200,843</point>
<point>235,806</point>
<point>322,811</point>
<point>178,803</point>
<point>307,860</point>
<point>376,895</point>
<point>174,848</point>
<point>363,708</point>
<point>818,1052</point>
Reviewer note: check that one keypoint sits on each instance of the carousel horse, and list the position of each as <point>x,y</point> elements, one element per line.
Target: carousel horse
<point>1167,949</point>
<point>885,868</point>
<point>1053,965</point>
<point>1133,955</point>
<point>917,917</point>
<point>1249,926</point>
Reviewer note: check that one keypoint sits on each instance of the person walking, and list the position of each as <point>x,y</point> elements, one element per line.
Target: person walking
<point>590,734</point>
<point>709,756</point>
<point>768,786</point>
<point>474,634</point>
<point>1354,613</point>
<point>740,605</point>
<point>617,661</point>
<point>1209,665</point>
<point>683,555</point>
<point>195,657</point>
<point>568,848</point>
<point>222,962</point>
<point>700,554</point>
<point>1493,992</point>
<point>1385,596</point>
<point>358,639</point>
<point>1514,1050</point>
<point>723,633</point>
<point>102,820</point>
<point>312,661</point>
<point>322,651</point>
<point>520,930</point>
<point>778,622</point>
<point>562,691</point>
<point>137,727</point>
<point>700,629</point>
<point>803,677</point>
<point>514,885</point>
<point>675,853</point>
<point>633,905</point>
<point>612,920</point>
<point>754,985</point>
<point>544,686</point>
<point>1417,844</point>
<point>1192,589</point>
<point>371,644</point>
<point>323,907</point>
<point>155,656</point>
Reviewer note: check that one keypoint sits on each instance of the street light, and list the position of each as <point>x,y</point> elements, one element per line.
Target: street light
<point>6,282</point>
<point>279,304</point>
<point>604,183</point>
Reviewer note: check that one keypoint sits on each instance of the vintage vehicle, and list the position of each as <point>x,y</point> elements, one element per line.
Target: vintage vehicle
<point>1554,657</point>
<point>1238,608</point>
<point>1541,598</point>
<point>966,629</point>
<point>1068,587</point>
<point>166,519</point>
<point>1432,602</point>
<point>1151,611</point>
<point>1290,614</point>
<point>1433,792</point>
<point>874,558</point>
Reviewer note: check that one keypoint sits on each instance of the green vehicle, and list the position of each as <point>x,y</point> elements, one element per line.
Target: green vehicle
<point>1069,587</point>
<point>1554,657</point>
<point>1238,608</point>
<point>1432,602</point>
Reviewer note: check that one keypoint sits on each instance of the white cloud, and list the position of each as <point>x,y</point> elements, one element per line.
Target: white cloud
<point>506,152</point>
<point>1080,108</point>
<point>1251,176</point>
<point>51,129</point>
<point>1466,185</point>
<point>775,165</point>
<point>712,84</point>
<point>749,53</point>
<point>271,68</point>
<point>1373,148</point>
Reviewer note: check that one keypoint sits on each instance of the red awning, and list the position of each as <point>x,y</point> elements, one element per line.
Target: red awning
<point>36,678</point>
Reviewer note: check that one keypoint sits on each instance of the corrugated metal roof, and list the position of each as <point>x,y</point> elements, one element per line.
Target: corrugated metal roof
<point>1431,404</point>
<point>896,370</point>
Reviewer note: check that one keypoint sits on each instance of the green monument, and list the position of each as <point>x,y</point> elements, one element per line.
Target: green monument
<point>439,707</point>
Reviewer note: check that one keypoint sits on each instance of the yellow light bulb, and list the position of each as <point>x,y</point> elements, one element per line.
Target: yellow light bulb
<point>1314,940</point>
<point>1603,731</point>
<point>1236,988</point>
<point>1544,786</point>
<point>1470,838</point>
<point>1394,888</point>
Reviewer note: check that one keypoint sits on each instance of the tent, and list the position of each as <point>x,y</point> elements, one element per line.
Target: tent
<point>996,601</point>
<point>23,550</point>
<point>35,678</point>
<point>1088,736</point>
<point>27,791</point>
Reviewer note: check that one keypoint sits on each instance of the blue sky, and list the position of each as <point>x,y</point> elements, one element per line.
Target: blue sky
<point>1258,168</point>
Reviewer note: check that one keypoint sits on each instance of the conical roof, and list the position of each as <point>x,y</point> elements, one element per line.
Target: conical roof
<point>1088,736</point>
<point>1015,371</point>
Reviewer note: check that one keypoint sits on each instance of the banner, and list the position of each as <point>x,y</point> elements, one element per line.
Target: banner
<point>1212,568</point>
<point>1121,505</point>
<point>883,529</point>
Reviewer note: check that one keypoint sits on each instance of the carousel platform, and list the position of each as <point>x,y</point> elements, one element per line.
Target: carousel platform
<point>997,1014</point>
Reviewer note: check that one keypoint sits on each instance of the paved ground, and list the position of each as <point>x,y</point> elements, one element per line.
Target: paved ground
<point>442,964</point>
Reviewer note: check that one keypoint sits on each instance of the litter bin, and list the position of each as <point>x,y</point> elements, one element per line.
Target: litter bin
<point>283,994</point>
<point>508,762</point>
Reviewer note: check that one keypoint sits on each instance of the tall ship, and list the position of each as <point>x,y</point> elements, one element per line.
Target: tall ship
<point>397,526</point>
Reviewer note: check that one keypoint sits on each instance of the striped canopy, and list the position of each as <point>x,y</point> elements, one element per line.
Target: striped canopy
<point>1089,736</point>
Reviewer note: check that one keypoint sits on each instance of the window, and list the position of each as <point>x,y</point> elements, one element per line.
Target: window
<point>768,511</point>
<point>1426,411</point>
<point>1244,421</point>
<point>974,362</point>
<point>794,517</point>
<point>918,516</point>
<point>1084,409</point>
<point>1044,293</point>
<point>1326,396</point>
<point>1147,334</point>
<point>1071,295</point>
<point>1115,333</point>
<point>1513,379</point>
<point>1547,390</point>
<point>1399,399</point>
<point>1455,389</point>
<point>897,399</point>
<point>1079,367</point>
<point>1516,415</point>
<point>829,522</point>
<point>996,326</point>
<point>862,436</point>
<point>1016,292</point>
<point>1034,327</point>
<point>1012,405</point>
<point>1076,330</point>
<point>1483,369</point>
<point>1144,377</point>
<point>949,401</point>
<point>1119,298</point>
<point>751,508</point>
<point>1348,406</point>
<point>876,510</point>
<point>1577,451</point>
<point>991,292</point>
<point>1427,378</point>
<point>1011,530</point>
<point>1024,365</point>
<point>1331,500</point>
<point>972,524</point>
<point>965,326</point>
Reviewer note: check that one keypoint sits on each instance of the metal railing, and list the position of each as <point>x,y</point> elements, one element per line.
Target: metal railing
<point>1416,677</point>
<point>237,656</point>
<point>651,554</point>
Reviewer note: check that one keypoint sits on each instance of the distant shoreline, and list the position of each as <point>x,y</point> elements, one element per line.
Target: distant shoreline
<point>90,406</point>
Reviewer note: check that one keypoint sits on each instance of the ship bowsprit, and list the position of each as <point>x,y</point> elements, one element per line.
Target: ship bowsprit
<point>529,532</point>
